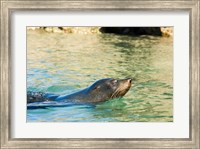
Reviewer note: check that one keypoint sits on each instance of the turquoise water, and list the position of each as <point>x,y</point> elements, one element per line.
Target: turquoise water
<point>63,63</point>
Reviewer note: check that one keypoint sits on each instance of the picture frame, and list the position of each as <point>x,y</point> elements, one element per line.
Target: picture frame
<point>10,7</point>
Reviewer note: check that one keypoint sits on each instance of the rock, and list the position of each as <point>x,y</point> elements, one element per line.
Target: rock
<point>57,30</point>
<point>133,31</point>
<point>32,28</point>
<point>48,29</point>
<point>167,31</point>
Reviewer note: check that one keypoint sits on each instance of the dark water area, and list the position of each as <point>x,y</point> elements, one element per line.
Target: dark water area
<point>64,63</point>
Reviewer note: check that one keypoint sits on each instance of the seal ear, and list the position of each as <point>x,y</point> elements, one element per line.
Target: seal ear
<point>114,82</point>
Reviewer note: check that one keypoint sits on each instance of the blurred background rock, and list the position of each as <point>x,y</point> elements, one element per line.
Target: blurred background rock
<point>131,31</point>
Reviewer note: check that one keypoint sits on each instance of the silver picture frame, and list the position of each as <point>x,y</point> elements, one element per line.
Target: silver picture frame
<point>9,7</point>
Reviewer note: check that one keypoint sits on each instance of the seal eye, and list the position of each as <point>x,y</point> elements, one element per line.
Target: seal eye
<point>96,87</point>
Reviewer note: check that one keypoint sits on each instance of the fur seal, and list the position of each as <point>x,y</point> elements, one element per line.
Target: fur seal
<point>101,90</point>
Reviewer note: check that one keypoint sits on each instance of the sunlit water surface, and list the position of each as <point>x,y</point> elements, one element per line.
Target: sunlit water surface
<point>64,63</point>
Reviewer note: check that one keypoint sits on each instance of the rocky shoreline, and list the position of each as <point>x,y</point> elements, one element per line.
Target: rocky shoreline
<point>132,31</point>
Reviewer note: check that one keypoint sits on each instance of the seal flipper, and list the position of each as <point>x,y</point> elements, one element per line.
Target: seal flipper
<point>40,97</point>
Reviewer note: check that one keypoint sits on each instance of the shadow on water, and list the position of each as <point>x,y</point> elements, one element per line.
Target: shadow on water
<point>135,54</point>
<point>52,104</point>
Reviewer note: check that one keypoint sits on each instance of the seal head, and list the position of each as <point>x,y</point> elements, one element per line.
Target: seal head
<point>109,88</point>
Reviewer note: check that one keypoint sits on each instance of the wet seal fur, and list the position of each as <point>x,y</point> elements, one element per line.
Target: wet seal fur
<point>101,90</point>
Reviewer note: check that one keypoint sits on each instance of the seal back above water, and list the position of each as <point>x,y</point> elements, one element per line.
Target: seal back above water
<point>101,90</point>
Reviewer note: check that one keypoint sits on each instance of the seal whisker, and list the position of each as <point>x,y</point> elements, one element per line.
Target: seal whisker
<point>116,92</point>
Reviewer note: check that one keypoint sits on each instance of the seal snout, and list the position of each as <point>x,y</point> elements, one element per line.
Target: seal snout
<point>130,80</point>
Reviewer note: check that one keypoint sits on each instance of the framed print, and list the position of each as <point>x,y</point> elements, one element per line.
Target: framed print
<point>100,74</point>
